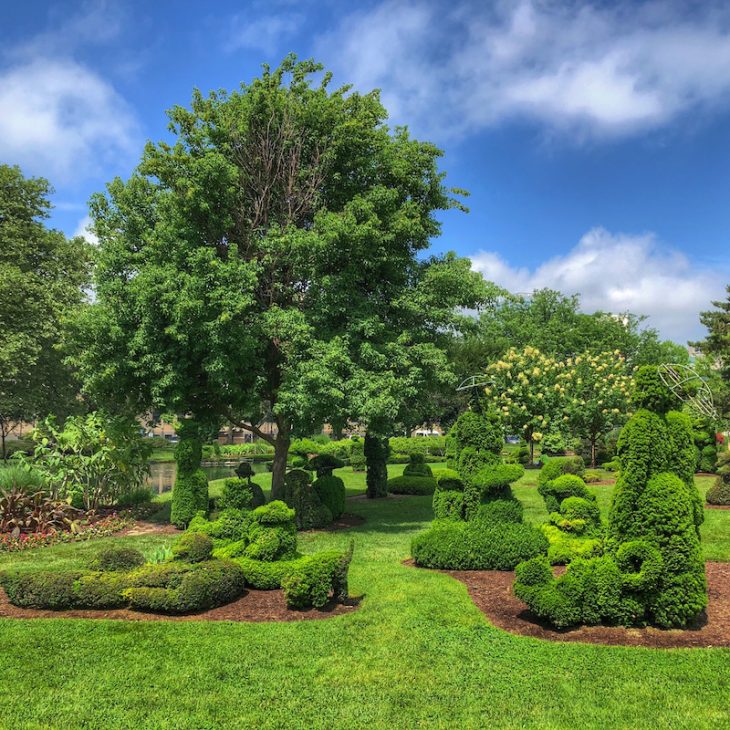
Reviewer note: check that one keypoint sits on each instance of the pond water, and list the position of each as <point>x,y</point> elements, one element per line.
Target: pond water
<point>162,473</point>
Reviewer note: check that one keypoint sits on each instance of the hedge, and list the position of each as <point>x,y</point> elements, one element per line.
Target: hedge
<point>411,485</point>
<point>477,545</point>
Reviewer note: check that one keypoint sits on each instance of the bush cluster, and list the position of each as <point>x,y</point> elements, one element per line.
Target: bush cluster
<point>314,578</point>
<point>300,495</point>
<point>653,570</point>
<point>331,492</point>
<point>417,466</point>
<point>411,485</point>
<point>477,545</point>
<point>562,487</point>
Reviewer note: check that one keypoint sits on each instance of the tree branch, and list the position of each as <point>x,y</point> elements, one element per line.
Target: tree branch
<point>250,427</point>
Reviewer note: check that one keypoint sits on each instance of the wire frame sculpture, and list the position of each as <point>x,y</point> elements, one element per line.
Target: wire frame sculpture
<point>690,387</point>
<point>474,381</point>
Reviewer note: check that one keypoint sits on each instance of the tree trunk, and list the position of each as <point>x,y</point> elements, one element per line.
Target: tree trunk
<point>593,452</point>
<point>376,459</point>
<point>5,453</point>
<point>532,451</point>
<point>281,453</point>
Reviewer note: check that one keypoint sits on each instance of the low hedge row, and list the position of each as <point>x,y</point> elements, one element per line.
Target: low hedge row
<point>477,545</point>
<point>411,485</point>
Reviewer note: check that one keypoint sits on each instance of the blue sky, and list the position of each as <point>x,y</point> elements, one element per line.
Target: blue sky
<point>593,137</point>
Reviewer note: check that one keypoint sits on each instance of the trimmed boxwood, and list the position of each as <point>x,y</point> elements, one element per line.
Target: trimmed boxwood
<point>65,590</point>
<point>411,485</point>
<point>557,465</point>
<point>477,545</point>
<point>316,578</point>
<point>331,491</point>
<point>193,547</point>
<point>417,467</point>
<point>242,494</point>
<point>448,504</point>
<point>189,589</point>
<point>309,511</point>
<point>266,576</point>
<point>562,487</point>
<point>117,558</point>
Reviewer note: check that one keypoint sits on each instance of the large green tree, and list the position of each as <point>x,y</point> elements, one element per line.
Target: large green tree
<point>239,264</point>
<point>553,323</point>
<point>42,280</point>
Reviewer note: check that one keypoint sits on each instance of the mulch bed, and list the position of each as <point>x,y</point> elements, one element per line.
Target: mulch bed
<point>491,591</point>
<point>717,506</point>
<point>254,606</point>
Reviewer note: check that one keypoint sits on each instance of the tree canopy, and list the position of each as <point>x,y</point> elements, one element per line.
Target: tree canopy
<point>42,279</point>
<point>248,268</point>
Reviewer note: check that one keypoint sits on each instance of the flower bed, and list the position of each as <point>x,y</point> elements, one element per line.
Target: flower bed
<point>102,528</point>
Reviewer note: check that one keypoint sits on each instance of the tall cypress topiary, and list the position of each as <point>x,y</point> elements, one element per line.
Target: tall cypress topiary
<point>190,493</point>
<point>377,450</point>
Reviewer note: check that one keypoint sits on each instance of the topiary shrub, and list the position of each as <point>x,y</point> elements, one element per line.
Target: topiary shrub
<point>493,481</point>
<point>230,525</point>
<point>448,479</point>
<point>331,491</point>
<point>190,493</point>
<point>559,465</point>
<point>242,494</point>
<point>193,547</point>
<point>653,537</point>
<point>708,459</point>
<point>357,456</point>
<point>719,492</point>
<point>448,504</point>
<point>411,485</point>
<point>272,534</point>
<point>324,464</point>
<point>41,589</point>
<point>477,545</point>
<point>377,450</point>
<point>299,494</point>
<point>185,588</point>
<point>417,466</point>
<point>315,578</point>
<point>117,558</point>
<point>562,487</point>
<point>499,511</point>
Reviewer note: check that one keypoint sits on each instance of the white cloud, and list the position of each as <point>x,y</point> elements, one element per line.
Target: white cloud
<point>620,273</point>
<point>84,229</point>
<point>61,120</point>
<point>265,33</point>
<point>58,117</point>
<point>601,69</point>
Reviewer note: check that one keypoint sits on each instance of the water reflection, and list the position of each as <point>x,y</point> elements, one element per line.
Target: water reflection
<point>162,473</point>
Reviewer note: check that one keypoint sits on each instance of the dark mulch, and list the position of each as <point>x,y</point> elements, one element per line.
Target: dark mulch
<point>491,591</point>
<point>717,506</point>
<point>254,606</point>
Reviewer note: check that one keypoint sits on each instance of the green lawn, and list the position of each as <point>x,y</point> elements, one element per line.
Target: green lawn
<point>416,654</point>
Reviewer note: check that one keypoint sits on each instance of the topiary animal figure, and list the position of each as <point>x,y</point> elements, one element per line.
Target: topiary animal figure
<point>417,466</point>
<point>653,570</point>
<point>190,493</point>
<point>301,496</point>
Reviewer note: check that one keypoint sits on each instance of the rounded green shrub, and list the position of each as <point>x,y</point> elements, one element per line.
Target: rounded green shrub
<point>190,589</point>
<point>411,485</point>
<point>499,511</point>
<point>559,465</point>
<point>494,480</point>
<point>193,547</point>
<point>242,494</point>
<point>562,487</point>
<point>117,558</point>
<point>324,464</point>
<point>417,466</point>
<point>651,393</point>
<point>315,578</point>
<point>331,492</point>
<point>274,513</point>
